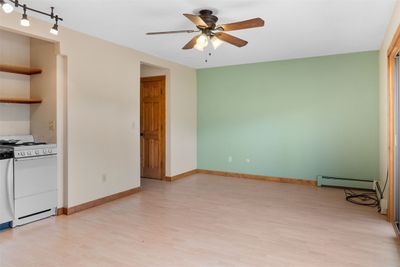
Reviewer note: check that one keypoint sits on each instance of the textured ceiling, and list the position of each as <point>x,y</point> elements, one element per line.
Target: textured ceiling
<point>294,28</point>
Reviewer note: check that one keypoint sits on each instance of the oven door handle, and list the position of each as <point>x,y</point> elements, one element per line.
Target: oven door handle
<point>10,185</point>
<point>35,158</point>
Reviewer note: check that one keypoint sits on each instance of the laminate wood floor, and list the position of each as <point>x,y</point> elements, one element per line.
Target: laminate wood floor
<point>209,221</point>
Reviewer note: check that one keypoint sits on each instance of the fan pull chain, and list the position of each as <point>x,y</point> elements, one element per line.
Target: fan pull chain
<point>209,54</point>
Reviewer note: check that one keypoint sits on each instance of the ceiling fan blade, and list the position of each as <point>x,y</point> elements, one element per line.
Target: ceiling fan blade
<point>197,20</point>
<point>246,24</point>
<point>191,43</point>
<point>169,32</point>
<point>231,39</point>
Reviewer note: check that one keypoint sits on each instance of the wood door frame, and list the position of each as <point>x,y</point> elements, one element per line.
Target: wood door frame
<point>394,48</point>
<point>162,78</point>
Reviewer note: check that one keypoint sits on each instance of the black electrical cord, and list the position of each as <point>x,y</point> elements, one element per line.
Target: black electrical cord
<point>362,198</point>
<point>369,199</point>
<point>384,187</point>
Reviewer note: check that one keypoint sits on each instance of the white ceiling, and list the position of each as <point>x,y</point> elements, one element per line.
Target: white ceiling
<point>294,28</point>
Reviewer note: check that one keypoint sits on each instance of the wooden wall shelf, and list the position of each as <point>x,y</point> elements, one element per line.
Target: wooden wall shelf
<point>19,69</point>
<point>20,100</point>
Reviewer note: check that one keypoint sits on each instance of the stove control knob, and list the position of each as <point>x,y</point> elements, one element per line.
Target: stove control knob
<point>37,152</point>
<point>50,151</point>
<point>22,153</point>
<point>29,153</point>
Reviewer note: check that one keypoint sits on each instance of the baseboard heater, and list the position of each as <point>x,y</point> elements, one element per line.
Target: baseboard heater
<point>345,182</point>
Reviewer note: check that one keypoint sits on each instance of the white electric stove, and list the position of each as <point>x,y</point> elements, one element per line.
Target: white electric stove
<point>35,178</point>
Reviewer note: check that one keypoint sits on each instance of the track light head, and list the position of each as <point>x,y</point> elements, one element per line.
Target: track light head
<point>25,21</point>
<point>54,29</point>
<point>7,7</point>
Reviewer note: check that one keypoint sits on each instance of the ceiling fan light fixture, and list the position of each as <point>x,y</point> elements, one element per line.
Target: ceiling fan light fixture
<point>199,48</point>
<point>206,23</point>
<point>201,42</point>
<point>215,41</point>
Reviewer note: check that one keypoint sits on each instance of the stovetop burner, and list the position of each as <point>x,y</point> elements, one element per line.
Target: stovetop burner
<point>15,143</point>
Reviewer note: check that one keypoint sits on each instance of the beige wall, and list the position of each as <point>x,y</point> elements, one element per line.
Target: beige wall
<point>43,86</point>
<point>103,84</point>
<point>180,124</point>
<point>148,71</point>
<point>383,92</point>
<point>14,118</point>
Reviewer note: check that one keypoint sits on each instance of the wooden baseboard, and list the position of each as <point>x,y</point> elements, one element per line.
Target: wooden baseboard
<point>180,176</point>
<point>260,177</point>
<point>61,211</point>
<point>98,202</point>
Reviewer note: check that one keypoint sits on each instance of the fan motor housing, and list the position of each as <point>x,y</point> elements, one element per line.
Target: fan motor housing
<point>208,17</point>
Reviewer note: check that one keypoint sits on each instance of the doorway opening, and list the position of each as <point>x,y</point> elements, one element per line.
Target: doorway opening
<point>152,121</point>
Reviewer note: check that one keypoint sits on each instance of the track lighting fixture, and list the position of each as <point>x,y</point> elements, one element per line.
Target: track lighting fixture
<point>7,6</point>
<point>25,21</point>
<point>54,29</point>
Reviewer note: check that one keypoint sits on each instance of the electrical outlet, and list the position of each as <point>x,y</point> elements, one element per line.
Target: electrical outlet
<point>230,159</point>
<point>52,125</point>
<point>104,177</point>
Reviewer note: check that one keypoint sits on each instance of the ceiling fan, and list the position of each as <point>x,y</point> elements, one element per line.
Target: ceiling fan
<point>206,23</point>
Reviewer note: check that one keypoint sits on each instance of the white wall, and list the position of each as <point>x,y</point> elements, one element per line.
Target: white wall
<point>103,112</point>
<point>383,93</point>
<point>14,50</point>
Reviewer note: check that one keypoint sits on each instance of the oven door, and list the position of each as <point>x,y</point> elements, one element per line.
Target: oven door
<point>35,181</point>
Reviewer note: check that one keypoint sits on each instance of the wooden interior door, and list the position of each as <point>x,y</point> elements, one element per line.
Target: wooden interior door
<point>152,127</point>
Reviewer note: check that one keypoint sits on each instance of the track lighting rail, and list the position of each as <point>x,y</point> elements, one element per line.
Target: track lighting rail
<point>51,15</point>
<point>9,5</point>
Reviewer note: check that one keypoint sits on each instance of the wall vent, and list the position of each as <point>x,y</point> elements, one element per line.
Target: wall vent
<point>345,182</point>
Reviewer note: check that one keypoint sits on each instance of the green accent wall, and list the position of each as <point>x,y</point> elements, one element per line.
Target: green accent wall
<point>294,118</point>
